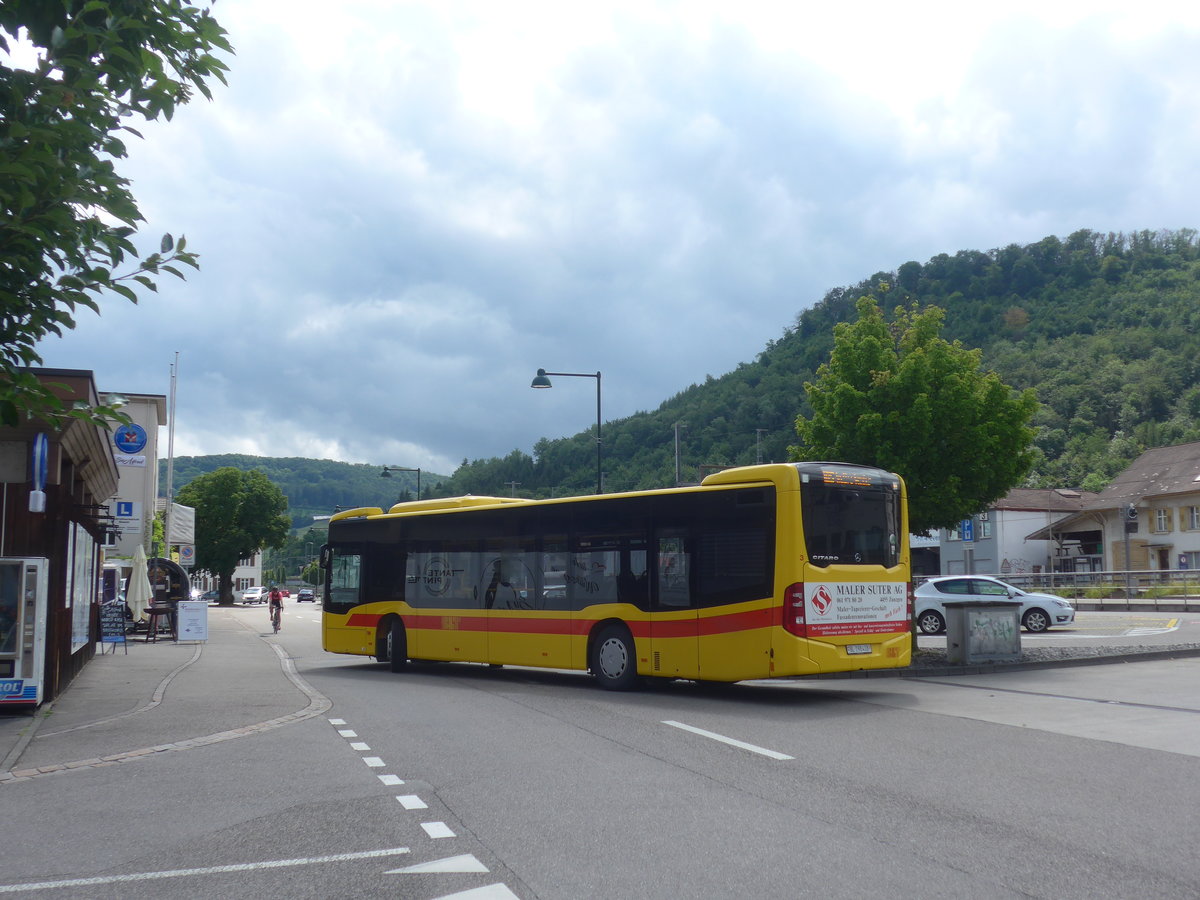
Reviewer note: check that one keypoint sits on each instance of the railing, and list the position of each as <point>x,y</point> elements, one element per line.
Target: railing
<point>1141,585</point>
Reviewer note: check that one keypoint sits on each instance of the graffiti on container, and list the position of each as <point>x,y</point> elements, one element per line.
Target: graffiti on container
<point>991,633</point>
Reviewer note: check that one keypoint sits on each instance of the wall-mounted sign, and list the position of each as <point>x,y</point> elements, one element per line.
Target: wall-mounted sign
<point>130,438</point>
<point>136,462</point>
<point>128,514</point>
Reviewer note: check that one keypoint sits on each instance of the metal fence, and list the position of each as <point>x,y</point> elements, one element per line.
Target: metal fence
<point>1147,584</point>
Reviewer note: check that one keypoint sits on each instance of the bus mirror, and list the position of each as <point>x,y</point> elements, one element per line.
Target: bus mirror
<point>325,556</point>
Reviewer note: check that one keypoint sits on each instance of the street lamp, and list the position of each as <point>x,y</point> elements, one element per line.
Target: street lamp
<point>388,470</point>
<point>542,380</point>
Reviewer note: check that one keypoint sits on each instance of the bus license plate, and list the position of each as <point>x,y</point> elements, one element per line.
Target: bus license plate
<point>858,648</point>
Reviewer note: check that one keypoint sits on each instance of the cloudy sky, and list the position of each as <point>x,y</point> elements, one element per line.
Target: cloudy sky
<point>403,209</point>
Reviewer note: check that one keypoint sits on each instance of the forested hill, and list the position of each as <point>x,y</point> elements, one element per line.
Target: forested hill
<point>1104,327</point>
<point>314,487</point>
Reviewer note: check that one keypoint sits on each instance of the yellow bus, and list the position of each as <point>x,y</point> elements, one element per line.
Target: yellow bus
<point>758,572</point>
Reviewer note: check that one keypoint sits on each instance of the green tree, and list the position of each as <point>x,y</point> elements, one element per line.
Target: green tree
<point>903,398</point>
<point>237,514</point>
<point>66,216</point>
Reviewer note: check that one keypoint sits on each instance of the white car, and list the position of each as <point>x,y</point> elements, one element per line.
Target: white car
<point>1038,611</point>
<point>254,595</point>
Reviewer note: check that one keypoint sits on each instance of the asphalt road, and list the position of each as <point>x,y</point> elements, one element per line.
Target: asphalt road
<point>500,783</point>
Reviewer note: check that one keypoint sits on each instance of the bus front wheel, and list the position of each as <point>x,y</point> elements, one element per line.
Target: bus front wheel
<point>397,646</point>
<point>614,661</point>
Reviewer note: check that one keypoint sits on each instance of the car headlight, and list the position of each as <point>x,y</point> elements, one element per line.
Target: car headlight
<point>1062,603</point>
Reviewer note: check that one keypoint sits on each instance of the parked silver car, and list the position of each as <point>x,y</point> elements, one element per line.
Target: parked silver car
<point>256,594</point>
<point>1038,611</point>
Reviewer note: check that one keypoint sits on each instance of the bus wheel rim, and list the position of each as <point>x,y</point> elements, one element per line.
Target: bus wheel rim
<point>613,658</point>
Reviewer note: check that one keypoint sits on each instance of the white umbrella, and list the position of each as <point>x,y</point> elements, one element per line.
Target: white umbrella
<point>137,591</point>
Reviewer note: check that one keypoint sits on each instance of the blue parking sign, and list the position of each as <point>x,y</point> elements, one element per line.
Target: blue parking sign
<point>968,530</point>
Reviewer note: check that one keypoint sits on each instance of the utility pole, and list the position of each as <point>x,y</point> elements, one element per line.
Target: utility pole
<point>678,425</point>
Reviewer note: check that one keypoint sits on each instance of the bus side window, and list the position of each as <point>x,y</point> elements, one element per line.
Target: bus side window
<point>553,572</point>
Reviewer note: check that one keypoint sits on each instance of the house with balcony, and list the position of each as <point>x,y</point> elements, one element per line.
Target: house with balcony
<point>1147,519</point>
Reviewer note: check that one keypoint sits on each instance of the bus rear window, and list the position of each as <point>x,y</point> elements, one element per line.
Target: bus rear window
<point>850,518</point>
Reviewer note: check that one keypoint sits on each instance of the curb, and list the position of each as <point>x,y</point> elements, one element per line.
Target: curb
<point>1019,666</point>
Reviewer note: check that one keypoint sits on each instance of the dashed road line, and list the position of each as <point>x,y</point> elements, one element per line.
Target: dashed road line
<point>435,831</point>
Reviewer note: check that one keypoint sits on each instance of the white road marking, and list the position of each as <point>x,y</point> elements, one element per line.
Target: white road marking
<point>412,801</point>
<point>733,742</point>
<point>337,721</point>
<point>209,870</point>
<point>437,829</point>
<point>451,864</point>
<point>373,761</point>
<point>391,779</point>
<point>491,892</point>
<point>348,733</point>
<point>359,745</point>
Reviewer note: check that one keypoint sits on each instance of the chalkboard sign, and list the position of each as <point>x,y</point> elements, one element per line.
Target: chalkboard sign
<point>112,622</point>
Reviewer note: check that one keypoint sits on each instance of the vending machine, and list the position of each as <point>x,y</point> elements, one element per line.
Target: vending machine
<point>22,630</point>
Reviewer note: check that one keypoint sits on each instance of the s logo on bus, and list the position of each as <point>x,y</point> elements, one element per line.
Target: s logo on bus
<point>821,599</point>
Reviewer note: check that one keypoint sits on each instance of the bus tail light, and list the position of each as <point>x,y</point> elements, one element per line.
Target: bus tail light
<point>793,610</point>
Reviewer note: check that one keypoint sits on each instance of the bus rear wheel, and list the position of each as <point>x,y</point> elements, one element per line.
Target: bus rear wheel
<point>614,661</point>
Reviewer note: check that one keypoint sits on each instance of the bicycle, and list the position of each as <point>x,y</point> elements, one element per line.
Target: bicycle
<point>275,616</point>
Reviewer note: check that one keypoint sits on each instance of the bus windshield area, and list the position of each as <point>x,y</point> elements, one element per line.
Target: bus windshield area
<point>851,517</point>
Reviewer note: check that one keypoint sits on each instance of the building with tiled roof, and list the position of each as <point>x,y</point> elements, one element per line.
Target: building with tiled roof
<point>1150,513</point>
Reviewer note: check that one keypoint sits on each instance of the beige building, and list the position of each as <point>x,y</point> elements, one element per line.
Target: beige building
<point>1152,508</point>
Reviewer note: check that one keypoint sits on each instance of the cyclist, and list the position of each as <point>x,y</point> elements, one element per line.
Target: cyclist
<point>275,606</point>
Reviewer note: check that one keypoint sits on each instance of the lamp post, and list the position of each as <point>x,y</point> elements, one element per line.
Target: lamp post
<point>388,470</point>
<point>542,380</point>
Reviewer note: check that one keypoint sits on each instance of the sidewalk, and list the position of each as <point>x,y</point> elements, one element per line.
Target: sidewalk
<point>159,697</point>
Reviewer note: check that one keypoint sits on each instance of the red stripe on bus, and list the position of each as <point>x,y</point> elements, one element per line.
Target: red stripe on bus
<point>660,628</point>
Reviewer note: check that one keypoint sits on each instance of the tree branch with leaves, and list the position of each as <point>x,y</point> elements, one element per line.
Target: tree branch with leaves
<point>67,218</point>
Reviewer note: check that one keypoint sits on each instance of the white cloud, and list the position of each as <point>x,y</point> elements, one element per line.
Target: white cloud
<point>403,210</point>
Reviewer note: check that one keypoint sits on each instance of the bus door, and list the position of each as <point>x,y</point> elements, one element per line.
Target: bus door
<point>674,642</point>
<point>733,577</point>
<point>528,623</point>
<point>447,585</point>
